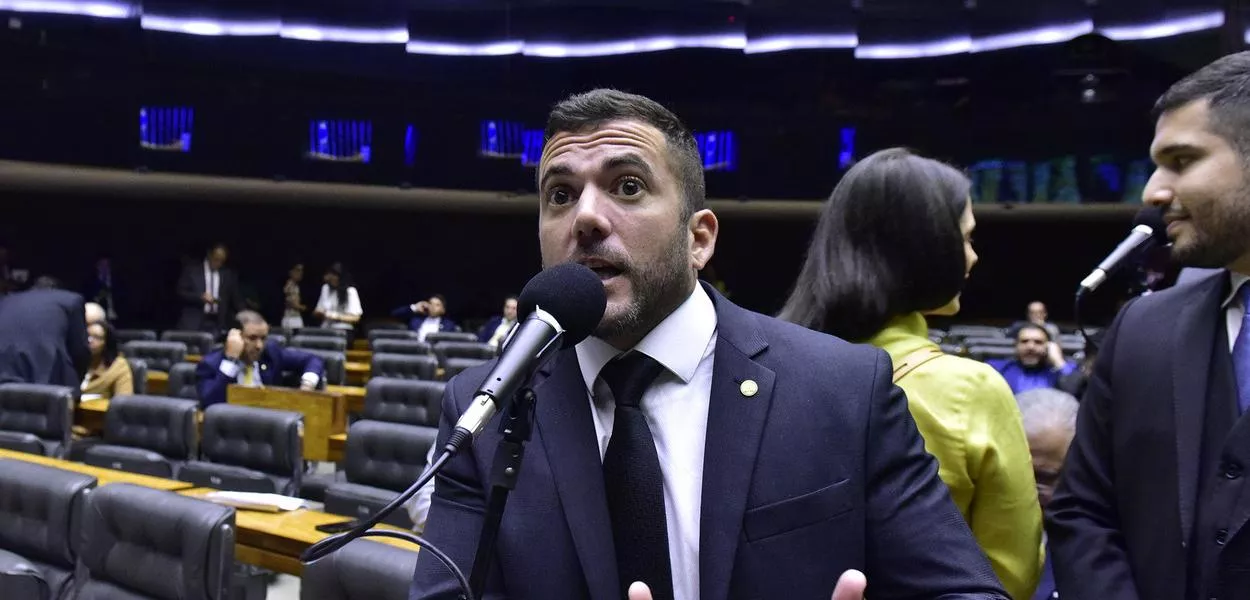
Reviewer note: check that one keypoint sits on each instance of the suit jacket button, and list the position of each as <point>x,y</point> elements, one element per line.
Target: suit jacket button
<point>1221,537</point>
<point>1232,471</point>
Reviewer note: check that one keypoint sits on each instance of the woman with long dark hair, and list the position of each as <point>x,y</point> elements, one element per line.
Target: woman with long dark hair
<point>339,305</point>
<point>108,374</point>
<point>894,244</point>
<point>293,315</point>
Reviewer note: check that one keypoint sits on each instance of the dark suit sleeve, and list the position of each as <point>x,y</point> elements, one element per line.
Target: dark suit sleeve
<point>210,382</point>
<point>188,291</point>
<point>76,336</point>
<point>918,545</point>
<point>1087,549</point>
<point>296,360</point>
<point>487,330</point>
<point>403,312</point>
<point>455,520</point>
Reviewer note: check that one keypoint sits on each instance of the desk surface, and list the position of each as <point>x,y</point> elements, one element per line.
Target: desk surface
<point>102,475</point>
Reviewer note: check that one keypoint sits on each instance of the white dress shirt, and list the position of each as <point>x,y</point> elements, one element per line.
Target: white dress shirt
<point>676,407</point>
<point>1234,311</point>
<point>212,285</point>
<point>329,303</point>
<point>234,370</point>
<point>501,332</point>
<point>428,326</point>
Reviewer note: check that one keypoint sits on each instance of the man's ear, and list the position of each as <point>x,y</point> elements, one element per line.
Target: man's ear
<point>703,230</point>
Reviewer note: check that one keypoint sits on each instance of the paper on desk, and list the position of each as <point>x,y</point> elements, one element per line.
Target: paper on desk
<point>256,501</point>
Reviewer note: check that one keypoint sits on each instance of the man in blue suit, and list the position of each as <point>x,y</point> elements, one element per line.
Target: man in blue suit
<point>248,358</point>
<point>426,316</point>
<point>496,329</point>
<point>691,449</point>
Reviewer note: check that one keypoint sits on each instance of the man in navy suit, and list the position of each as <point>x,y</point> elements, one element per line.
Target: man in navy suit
<point>496,329</point>
<point>691,449</point>
<point>248,358</point>
<point>43,336</point>
<point>426,316</point>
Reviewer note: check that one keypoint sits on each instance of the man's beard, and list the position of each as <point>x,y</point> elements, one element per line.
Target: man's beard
<point>657,290</point>
<point>1226,238</point>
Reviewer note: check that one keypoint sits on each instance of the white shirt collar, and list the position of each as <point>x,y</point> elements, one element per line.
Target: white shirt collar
<point>678,342</point>
<point>1236,280</point>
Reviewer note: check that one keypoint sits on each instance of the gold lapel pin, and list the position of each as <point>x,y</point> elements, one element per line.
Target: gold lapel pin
<point>749,388</point>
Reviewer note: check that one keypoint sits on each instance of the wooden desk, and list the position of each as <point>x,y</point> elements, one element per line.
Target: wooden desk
<point>90,416</point>
<point>355,396</point>
<point>357,372</point>
<point>193,358</point>
<point>275,540</point>
<point>338,446</point>
<point>102,475</point>
<point>158,383</point>
<point>362,356</point>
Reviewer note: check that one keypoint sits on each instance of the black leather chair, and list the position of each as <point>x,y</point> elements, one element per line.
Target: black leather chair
<point>160,356</point>
<point>249,449</point>
<point>361,570</point>
<point>391,334</point>
<point>404,366</point>
<point>139,374</point>
<point>324,332</point>
<point>40,509</point>
<point>315,342</point>
<point>36,418</point>
<point>988,352</point>
<point>152,435</point>
<point>407,401</point>
<point>141,543</point>
<point>382,460</point>
<point>134,335</point>
<point>182,382</point>
<point>450,336</point>
<point>335,365</point>
<point>20,578</point>
<point>398,346</point>
<point>455,365</point>
<point>198,342</point>
<point>989,341</point>
<point>476,350</point>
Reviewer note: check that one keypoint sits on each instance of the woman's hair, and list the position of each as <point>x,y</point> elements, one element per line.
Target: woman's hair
<point>345,281</point>
<point>109,353</point>
<point>888,243</point>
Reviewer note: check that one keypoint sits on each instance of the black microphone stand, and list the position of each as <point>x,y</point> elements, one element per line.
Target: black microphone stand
<point>516,426</point>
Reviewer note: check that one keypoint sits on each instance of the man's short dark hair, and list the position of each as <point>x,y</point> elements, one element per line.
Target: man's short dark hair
<point>1032,327</point>
<point>440,298</point>
<point>249,317</point>
<point>581,112</point>
<point>1224,83</point>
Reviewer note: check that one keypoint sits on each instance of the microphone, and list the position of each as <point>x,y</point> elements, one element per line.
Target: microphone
<point>1148,227</point>
<point>564,303</point>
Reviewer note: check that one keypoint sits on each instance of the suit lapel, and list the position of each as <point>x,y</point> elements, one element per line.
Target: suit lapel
<point>568,437</point>
<point>735,426</point>
<point>1193,337</point>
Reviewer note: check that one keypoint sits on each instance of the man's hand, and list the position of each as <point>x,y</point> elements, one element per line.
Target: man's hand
<point>851,586</point>
<point>208,298</point>
<point>421,307</point>
<point>308,387</point>
<point>1055,354</point>
<point>234,344</point>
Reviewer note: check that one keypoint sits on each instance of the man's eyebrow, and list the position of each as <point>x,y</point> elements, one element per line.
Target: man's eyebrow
<point>628,160</point>
<point>1176,148</point>
<point>555,171</point>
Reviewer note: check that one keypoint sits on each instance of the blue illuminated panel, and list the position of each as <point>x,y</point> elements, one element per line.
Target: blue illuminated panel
<point>501,139</point>
<point>532,147</point>
<point>718,150</point>
<point>410,146</point>
<point>846,150</point>
<point>340,140</point>
<point>1135,180</point>
<point>166,128</point>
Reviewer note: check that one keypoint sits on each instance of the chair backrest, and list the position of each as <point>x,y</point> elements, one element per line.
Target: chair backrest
<point>407,401</point>
<point>322,332</point>
<point>139,374</point>
<point>391,334</point>
<point>134,335</point>
<point>989,341</point>
<point>964,331</point>
<point>182,381</point>
<point>446,350</point>
<point>386,455</point>
<point>400,346</point>
<point>361,570</point>
<point>335,365</point>
<point>39,511</point>
<point>20,578</point>
<point>266,440</point>
<point>198,342</point>
<point>141,542</point>
<point>160,356</point>
<point>435,337</point>
<point>988,352</point>
<point>404,366</point>
<point>319,343</point>
<point>277,338</point>
<point>455,365</point>
<point>161,424</point>
<point>46,411</point>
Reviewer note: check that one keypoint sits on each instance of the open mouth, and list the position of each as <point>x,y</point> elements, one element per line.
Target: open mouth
<point>606,272</point>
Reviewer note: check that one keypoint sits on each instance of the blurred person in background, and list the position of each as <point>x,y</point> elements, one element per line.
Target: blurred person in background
<point>249,359</point>
<point>293,315</point>
<point>100,288</point>
<point>1049,422</point>
<point>496,330</point>
<point>209,292</point>
<point>43,336</point>
<point>95,313</point>
<point>1039,362</point>
<point>427,316</point>
<point>109,373</point>
<point>894,242</point>
<point>339,305</point>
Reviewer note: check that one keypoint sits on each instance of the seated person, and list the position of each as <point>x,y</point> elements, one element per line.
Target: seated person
<point>426,316</point>
<point>1037,315</point>
<point>1039,363</point>
<point>108,373</point>
<point>248,358</point>
<point>95,313</point>
<point>1049,418</point>
<point>496,329</point>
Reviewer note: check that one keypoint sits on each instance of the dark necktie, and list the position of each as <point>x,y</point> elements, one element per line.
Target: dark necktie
<point>633,481</point>
<point>1241,351</point>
